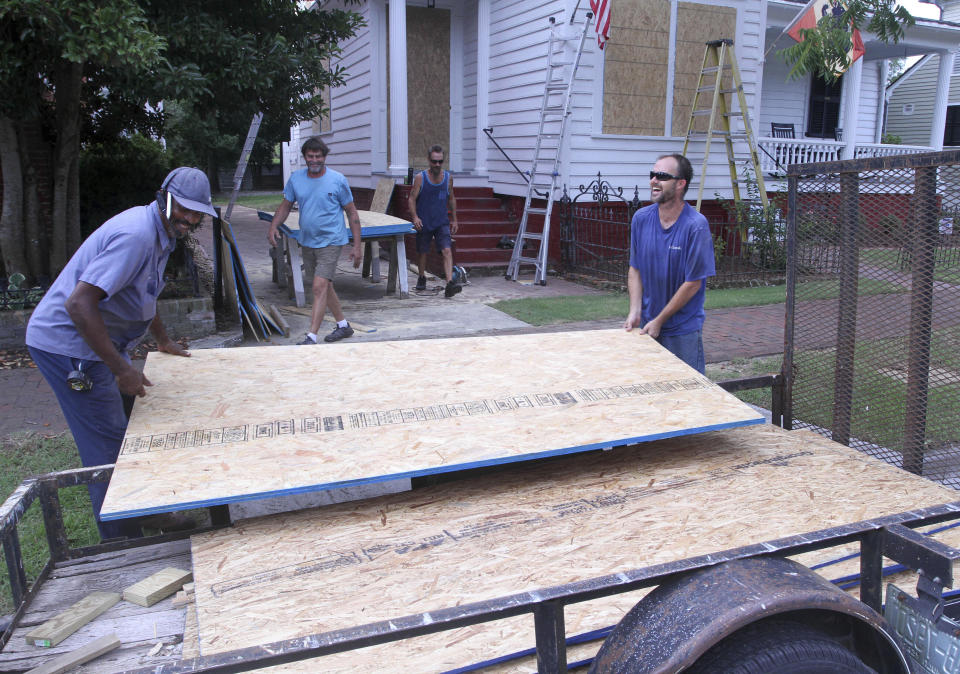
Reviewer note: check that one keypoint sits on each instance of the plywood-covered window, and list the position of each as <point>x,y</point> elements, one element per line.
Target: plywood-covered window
<point>636,65</point>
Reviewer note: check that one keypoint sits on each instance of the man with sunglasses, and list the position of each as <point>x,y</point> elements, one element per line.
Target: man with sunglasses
<point>100,305</point>
<point>671,256</point>
<point>434,210</point>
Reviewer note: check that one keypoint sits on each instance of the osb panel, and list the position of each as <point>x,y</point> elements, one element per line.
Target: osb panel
<point>367,219</point>
<point>537,526</point>
<point>428,82</point>
<point>697,24</point>
<point>233,424</point>
<point>635,68</point>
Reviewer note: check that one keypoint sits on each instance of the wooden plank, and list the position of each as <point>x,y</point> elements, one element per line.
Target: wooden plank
<point>371,224</point>
<point>160,585</point>
<point>59,628</point>
<point>532,527</point>
<point>252,431</point>
<point>231,296</point>
<point>381,196</point>
<point>92,650</point>
<point>279,320</point>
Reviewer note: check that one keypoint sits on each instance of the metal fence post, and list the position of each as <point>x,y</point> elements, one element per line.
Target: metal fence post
<point>551,637</point>
<point>786,386</point>
<point>925,227</point>
<point>847,307</point>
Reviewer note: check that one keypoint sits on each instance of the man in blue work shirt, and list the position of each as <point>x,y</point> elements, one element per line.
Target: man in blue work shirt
<point>323,196</point>
<point>434,210</point>
<point>101,304</point>
<point>671,256</point>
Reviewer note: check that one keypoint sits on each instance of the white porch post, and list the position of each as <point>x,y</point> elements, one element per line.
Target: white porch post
<point>399,152</point>
<point>483,83</point>
<point>883,70</point>
<point>940,102</point>
<point>851,107</point>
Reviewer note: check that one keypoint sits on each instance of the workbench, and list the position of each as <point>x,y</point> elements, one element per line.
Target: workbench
<point>375,229</point>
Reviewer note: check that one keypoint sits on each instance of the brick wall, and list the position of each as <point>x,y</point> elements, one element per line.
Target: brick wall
<point>191,317</point>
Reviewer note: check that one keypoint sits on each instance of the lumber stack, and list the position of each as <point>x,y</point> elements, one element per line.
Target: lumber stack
<point>237,291</point>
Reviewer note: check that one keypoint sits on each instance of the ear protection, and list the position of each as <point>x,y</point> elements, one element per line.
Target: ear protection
<point>163,190</point>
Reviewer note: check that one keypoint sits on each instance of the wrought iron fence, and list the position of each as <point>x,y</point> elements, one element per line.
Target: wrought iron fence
<point>749,241</point>
<point>14,296</point>
<point>873,308</point>
<point>595,231</point>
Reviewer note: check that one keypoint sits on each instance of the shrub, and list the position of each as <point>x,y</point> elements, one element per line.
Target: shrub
<point>118,175</point>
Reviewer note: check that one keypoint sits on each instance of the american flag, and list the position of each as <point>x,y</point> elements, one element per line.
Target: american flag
<point>601,10</point>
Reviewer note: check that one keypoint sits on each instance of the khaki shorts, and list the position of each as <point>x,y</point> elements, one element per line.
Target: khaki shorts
<point>320,262</point>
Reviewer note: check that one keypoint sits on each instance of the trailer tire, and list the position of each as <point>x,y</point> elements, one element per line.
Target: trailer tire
<point>780,647</point>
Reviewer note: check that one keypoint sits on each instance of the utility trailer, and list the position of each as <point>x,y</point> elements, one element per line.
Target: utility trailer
<point>533,565</point>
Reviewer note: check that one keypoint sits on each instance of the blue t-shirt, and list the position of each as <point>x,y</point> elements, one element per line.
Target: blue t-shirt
<point>125,257</point>
<point>321,201</point>
<point>668,258</point>
<point>432,202</point>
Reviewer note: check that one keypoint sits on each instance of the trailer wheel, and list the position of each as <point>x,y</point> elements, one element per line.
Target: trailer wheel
<point>781,647</point>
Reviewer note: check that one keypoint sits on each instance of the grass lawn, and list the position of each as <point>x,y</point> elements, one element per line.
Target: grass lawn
<point>28,455</point>
<point>888,258</point>
<point>879,397</point>
<point>553,310</point>
<point>261,202</point>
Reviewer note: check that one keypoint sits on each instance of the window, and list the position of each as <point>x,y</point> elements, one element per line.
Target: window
<point>951,130</point>
<point>823,115</point>
<point>635,71</point>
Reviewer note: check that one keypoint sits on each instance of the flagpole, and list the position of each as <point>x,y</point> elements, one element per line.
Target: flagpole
<point>788,27</point>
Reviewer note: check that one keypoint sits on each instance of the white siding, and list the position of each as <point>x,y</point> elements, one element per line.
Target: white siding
<point>468,131</point>
<point>784,99</point>
<point>518,60</point>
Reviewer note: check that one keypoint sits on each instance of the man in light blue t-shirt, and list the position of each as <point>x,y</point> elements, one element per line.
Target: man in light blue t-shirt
<point>671,256</point>
<point>322,195</point>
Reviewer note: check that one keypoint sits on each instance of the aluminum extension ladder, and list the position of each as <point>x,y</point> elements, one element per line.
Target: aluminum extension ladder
<point>242,163</point>
<point>719,60</point>
<point>545,169</point>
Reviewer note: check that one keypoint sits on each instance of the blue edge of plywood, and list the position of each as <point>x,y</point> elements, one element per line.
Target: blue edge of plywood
<point>610,444</point>
<point>365,232</point>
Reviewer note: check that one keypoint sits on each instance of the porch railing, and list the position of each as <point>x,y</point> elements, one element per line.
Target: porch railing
<point>786,151</point>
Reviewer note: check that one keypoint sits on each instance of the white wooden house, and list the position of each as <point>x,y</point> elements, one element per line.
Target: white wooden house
<point>923,105</point>
<point>441,71</point>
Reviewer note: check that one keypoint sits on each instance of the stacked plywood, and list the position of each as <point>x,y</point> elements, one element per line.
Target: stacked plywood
<point>536,526</point>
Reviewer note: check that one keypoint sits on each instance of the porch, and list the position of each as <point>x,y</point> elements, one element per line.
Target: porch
<point>778,153</point>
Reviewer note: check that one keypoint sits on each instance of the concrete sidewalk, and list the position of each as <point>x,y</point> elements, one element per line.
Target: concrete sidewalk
<point>27,403</point>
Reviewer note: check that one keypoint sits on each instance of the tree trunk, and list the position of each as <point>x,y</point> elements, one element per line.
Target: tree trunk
<point>65,220</point>
<point>11,215</point>
<point>32,230</point>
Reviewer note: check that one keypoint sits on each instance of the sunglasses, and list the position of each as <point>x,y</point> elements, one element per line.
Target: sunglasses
<point>663,176</point>
<point>436,161</point>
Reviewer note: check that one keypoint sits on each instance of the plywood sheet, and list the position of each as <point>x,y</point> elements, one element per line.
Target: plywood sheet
<point>372,223</point>
<point>228,425</point>
<point>537,526</point>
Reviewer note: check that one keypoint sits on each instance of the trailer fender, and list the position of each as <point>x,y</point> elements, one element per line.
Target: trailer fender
<point>670,628</point>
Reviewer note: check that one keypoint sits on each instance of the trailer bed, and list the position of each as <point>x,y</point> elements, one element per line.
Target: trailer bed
<point>598,529</point>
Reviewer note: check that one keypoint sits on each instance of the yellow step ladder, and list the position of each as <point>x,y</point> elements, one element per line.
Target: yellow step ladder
<point>720,62</point>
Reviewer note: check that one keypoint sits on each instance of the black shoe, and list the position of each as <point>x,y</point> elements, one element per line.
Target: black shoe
<point>452,289</point>
<point>339,333</point>
<point>421,283</point>
<point>306,340</point>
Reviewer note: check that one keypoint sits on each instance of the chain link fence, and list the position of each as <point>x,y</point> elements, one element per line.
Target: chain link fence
<point>872,354</point>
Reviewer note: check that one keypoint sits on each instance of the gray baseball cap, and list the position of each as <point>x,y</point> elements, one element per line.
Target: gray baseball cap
<point>190,188</point>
